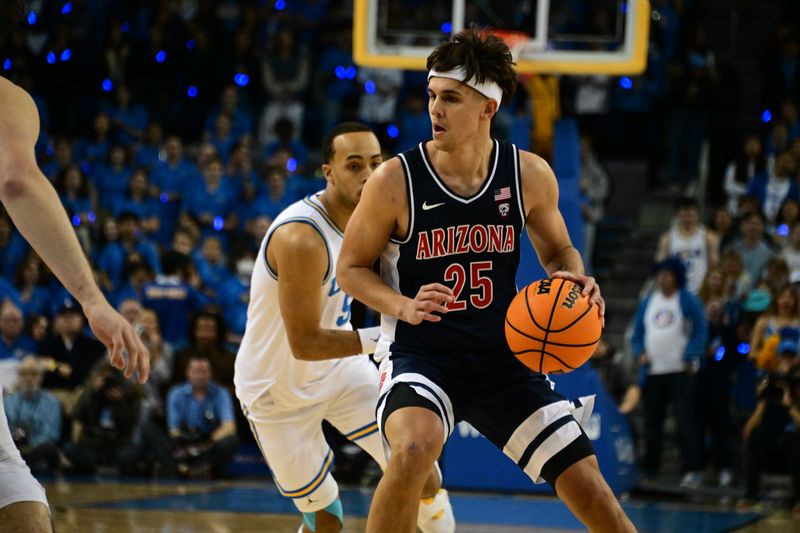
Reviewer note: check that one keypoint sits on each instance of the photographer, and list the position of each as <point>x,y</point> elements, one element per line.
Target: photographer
<point>772,438</point>
<point>34,418</point>
<point>200,421</point>
<point>104,418</point>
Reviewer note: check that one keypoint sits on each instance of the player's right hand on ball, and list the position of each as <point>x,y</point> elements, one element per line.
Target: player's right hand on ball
<point>430,299</point>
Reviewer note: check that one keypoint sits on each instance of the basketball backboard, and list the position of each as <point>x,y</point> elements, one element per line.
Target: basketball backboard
<point>559,36</point>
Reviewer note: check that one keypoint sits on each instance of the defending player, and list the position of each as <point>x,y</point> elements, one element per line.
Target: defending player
<point>34,207</point>
<point>293,368</point>
<point>451,211</point>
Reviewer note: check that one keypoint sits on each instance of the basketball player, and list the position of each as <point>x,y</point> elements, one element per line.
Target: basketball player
<point>294,368</point>
<point>34,207</point>
<point>691,241</point>
<point>445,218</point>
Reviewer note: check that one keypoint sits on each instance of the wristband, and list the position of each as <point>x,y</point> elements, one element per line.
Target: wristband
<point>369,338</point>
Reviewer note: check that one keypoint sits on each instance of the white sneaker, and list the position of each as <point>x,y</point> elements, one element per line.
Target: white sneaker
<point>436,514</point>
<point>725,478</point>
<point>691,480</point>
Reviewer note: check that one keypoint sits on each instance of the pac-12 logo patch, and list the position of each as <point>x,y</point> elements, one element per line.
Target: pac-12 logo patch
<point>504,209</point>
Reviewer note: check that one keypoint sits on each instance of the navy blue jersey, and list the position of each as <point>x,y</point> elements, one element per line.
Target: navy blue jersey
<point>470,244</point>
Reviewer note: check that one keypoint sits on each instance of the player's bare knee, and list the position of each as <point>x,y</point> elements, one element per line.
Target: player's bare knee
<point>417,454</point>
<point>26,517</point>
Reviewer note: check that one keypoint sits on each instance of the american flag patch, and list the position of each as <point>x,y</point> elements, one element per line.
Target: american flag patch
<point>502,194</point>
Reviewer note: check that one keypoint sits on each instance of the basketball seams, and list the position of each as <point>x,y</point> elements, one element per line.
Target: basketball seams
<point>549,321</point>
<point>588,308</point>
<point>530,312</point>
<point>563,345</point>
<point>554,356</point>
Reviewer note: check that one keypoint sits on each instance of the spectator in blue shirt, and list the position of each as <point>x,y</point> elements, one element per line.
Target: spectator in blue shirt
<point>112,178</point>
<point>200,417</point>
<point>172,298</point>
<point>130,120</point>
<point>73,191</point>
<point>211,266</point>
<point>287,140</point>
<point>148,152</point>
<point>31,282</point>
<point>138,200</point>
<point>234,295</point>
<point>9,292</point>
<point>222,136</point>
<point>14,344</point>
<point>242,124</point>
<point>212,204</point>
<point>136,274</point>
<point>96,149</point>
<point>34,418</point>
<point>112,258</point>
<point>62,157</point>
<point>171,178</point>
<point>12,249</point>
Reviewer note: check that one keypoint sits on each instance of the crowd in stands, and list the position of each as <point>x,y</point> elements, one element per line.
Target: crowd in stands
<point>174,132</point>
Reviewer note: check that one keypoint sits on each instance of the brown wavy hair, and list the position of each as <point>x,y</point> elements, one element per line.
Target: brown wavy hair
<point>485,57</point>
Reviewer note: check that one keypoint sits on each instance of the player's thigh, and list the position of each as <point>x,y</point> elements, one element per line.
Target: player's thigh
<point>529,421</point>
<point>353,411</point>
<point>25,517</point>
<point>299,457</point>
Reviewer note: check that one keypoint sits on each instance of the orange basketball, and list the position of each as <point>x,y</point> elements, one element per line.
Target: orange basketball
<point>551,327</point>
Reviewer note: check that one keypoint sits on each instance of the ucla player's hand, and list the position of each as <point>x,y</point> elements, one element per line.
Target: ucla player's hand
<point>431,298</point>
<point>590,289</point>
<point>119,338</point>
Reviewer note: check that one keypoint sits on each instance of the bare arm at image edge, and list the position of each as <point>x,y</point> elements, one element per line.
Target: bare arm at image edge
<point>33,205</point>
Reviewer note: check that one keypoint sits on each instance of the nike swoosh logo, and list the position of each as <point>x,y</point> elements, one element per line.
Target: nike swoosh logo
<point>427,207</point>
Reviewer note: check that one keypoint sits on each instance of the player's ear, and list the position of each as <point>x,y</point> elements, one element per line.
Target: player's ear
<point>490,107</point>
<point>327,171</point>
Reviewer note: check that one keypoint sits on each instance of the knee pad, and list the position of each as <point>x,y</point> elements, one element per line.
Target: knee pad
<point>335,508</point>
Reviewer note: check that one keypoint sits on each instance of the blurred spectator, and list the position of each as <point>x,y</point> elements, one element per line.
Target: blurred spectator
<point>95,149</point>
<point>669,339</point>
<point>104,417</point>
<point>131,310</point>
<point>415,123</point>
<point>171,178</point>
<point>12,248</point>
<point>619,381</point>
<point>14,344</point>
<point>722,225</point>
<point>740,173</point>
<point>691,83</point>
<point>335,88</point>
<point>234,295</point>
<point>776,275</point>
<point>788,215</point>
<point>780,321</point>
<point>207,341</point>
<point>715,377</point>
<point>231,107</point>
<point>129,119</point>
<point>211,266</point>
<point>112,178</point>
<point>74,193</point>
<point>183,242</point>
<point>111,260</point>
<point>777,142</point>
<point>595,187</point>
<point>689,240</point>
<point>148,152</point>
<point>161,364</point>
<point>135,274</point>
<point>211,203</point>
<point>173,298</point>
<point>37,330</point>
<point>791,251</point>
<point>31,283</point>
<point>737,279</point>
<point>34,418</point>
<point>778,186</point>
<point>752,247</point>
<point>137,200</point>
<point>377,105</point>
<point>287,139</point>
<point>200,419</point>
<point>286,72</point>
<point>771,435</point>
<point>70,354</point>
<point>222,137</point>
<point>61,159</point>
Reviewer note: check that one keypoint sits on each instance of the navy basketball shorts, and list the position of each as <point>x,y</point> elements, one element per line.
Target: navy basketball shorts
<point>515,408</point>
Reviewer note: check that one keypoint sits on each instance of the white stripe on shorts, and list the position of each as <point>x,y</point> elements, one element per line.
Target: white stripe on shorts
<point>535,424</point>
<point>553,444</point>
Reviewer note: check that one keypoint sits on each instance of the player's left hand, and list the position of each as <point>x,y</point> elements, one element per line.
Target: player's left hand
<point>590,289</point>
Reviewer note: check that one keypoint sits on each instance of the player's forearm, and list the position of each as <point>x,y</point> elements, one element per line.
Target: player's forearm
<point>325,344</point>
<point>366,286</point>
<point>36,210</point>
<point>567,260</point>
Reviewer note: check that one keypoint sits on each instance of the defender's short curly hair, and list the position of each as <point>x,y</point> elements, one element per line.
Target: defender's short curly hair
<point>485,57</point>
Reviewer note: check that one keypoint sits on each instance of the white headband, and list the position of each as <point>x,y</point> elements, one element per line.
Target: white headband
<point>489,89</point>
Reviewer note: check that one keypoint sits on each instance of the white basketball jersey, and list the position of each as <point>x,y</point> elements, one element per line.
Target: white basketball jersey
<point>693,251</point>
<point>265,361</point>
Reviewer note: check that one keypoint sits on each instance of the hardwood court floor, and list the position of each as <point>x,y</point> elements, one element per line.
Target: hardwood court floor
<point>133,507</point>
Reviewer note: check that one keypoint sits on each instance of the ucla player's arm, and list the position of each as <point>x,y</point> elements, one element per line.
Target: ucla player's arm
<point>298,254</point>
<point>33,205</point>
<point>381,213</point>
<point>547,230</point>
